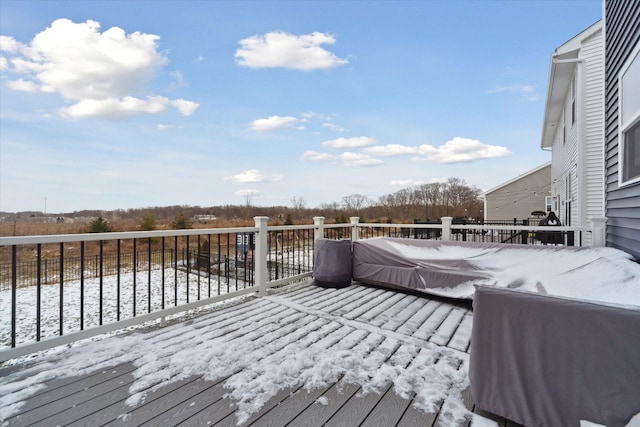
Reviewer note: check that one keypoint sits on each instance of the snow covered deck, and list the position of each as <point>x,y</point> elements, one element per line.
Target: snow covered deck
<point>302,355</point>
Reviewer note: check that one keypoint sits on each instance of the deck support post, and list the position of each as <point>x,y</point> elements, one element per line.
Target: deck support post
<point>318,229</point>
<point>599,232</point>
<point>261,251</point>
<point>354,227</point>
<point>446,227</point>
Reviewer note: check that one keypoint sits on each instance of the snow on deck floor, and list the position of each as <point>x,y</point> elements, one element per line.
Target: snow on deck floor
<point>302,336</point>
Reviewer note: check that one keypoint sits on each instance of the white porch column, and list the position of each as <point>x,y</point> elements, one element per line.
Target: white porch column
<point>318,231</point>
<point>446,227</point>
<point>599,232</point>
<point>260,253</point>
<point>354,228</point>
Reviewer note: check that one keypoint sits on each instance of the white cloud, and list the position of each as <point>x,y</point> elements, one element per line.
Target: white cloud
<point>185,107</point>
<point>115,108</point>
<point>355,142</point>
<point>180,81</point>
<point>391,150</point>
<point>4,63</point>
<point>333,127</point>
<point>359,159</point>
<point>527,91</point>
<point>279,49</point>
<point>315,156</point>
<point>200,58</point>
<point>8,44</point>
<point>246,177</point>
<point>414,182</point>
<point>313,115</point>
<point>98,71</point>
<point>165,127</point>
<point>272,123</point>
<point>22,85</point>
<point>460,150</point>
<point>406,182</point>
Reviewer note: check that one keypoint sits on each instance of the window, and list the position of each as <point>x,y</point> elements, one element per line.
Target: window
<point>629,120</point>
<point>549,205</point>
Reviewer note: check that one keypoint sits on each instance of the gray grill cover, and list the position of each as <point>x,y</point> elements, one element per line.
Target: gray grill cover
<point>332,264</point>
<point>548,361</point>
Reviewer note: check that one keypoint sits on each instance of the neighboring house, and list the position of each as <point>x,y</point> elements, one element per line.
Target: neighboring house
<point>622,117</point>
<point>521,196</point>
<point>573,127</point>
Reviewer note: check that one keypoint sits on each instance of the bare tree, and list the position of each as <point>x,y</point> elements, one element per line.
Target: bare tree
<point>298,203</point>
<point>354,203</point>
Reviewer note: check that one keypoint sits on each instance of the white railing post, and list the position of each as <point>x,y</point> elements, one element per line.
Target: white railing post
<point>354,227</point>
<point>260,253</point>
<point>318,231</point>
<point>446,227</point>
<point>599,232</point>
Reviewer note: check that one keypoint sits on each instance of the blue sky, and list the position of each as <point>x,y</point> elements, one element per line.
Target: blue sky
<point>128,104</point>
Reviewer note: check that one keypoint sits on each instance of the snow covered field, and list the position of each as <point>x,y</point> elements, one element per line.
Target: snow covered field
<point>26,301</point>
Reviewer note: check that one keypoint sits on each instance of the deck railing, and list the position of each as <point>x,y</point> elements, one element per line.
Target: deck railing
<point>79,286</point>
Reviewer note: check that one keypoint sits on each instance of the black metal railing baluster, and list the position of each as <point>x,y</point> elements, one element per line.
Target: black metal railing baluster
<point>218,264</point>
<point>175,271</point>
<point>14,293</point>
<point>188,271</point>
<point>61,288</point>
<point>209,264</point>
<point>118,281</point>
<point>162,260</point>
<point>198,265</point>
<point>82,285</point>
<point>101,292</point>
<point>135,273</point>
<point>149,275</point>
<point>38,291</point>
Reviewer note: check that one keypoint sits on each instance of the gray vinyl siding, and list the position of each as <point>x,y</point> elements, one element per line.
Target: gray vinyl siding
<point>518,198</point>
<point>622,204</point>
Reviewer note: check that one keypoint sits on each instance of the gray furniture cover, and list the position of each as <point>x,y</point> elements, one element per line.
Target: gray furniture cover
<point>332,264</point>
<point>378,261</point>
<point>543,360</point>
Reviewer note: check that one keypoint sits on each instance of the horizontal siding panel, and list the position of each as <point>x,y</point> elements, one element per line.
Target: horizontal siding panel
<point>622,213</point>
<point>628,245</point>
<point>625,202</point>
<point>626,193</point>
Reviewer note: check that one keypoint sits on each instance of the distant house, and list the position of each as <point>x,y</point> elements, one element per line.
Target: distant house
<point>521,196</point>
<point>573,127</point>
<point>204,218</point>
<point>622,118</point>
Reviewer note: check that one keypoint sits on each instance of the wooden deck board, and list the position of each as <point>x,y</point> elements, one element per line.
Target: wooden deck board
<point>99,397</point>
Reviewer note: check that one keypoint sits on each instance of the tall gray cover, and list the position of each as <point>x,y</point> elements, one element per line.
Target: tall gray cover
<point>332,265</point>
<point>542,360</point>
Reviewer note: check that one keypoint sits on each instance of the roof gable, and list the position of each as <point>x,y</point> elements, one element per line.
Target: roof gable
<point>561,70</point>
<point>520,177</point>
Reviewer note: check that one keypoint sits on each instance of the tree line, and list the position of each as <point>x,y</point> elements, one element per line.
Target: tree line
<point>453,197</point>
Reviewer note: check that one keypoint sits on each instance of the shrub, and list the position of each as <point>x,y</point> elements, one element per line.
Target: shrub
<point>99,225</point>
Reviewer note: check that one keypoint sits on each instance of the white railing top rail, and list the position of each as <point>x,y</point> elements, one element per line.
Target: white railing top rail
<point>337,225</point>
<point>88,237</point>
<point>479,227</point>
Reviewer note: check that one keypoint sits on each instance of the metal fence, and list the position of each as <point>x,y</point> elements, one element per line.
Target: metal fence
<point>47,301</point>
